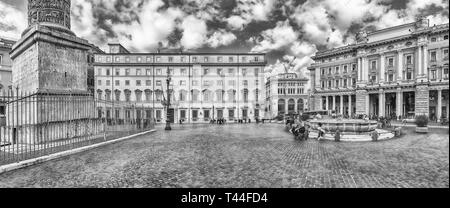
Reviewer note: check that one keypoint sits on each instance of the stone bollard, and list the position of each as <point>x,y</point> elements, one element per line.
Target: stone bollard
<point>398,131</point>
<point>337,136</point>
<point>375,136</point>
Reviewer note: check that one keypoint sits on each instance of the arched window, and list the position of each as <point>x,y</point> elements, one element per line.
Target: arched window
<point>300,105</point>
<point>232,95</point>
<point>158,95</point>
<point>194,96</point>
<point>281,107</point>
<point>99,94</point>
<point>127,95</point>
<point>148,95</point>
<point>291,106</point>
<point>138,95</point>
<point>117,95</point>
<point>245,95</point>
<point>182,95</point>
<point>108,95</point>
<point>220,95</point>
<point>207,96</point>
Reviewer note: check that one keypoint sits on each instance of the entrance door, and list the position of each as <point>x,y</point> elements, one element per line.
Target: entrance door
<point>245,114</point>
<point>171,116</point>
<point>219,114</point>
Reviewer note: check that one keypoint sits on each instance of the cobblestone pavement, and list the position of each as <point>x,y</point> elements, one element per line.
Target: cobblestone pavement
<point>248,156</point>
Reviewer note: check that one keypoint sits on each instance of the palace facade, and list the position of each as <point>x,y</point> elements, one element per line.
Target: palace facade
<point>286,94</point>
<point>400,71</point>
<point>203,86</point>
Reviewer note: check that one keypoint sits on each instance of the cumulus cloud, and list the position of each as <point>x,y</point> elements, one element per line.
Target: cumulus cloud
<point>13,21</point>
<point>250,10</point>
<point>220,38</point>
<point>195,33</point>
<point>277,38</point>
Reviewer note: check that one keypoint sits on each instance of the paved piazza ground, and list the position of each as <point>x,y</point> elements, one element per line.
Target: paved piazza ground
<point>246,156</point>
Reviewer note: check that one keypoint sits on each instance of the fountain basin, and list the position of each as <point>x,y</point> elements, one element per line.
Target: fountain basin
<point>345,125</point>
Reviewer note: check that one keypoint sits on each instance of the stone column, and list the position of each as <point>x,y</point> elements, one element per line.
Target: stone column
<point>422,100</point>
<point>425,64</point>
<point>382,67</point>
<point>381,103</point>
<point>359,69</point>
<point>327,103</point>
<point>361,102</point>
<point>419,66</point>
<point>334,102</point>
<point>350,107</point>
<point>399,102</point>
<point>439,106</point>
<point>400,66</point>
<point>367,104</point>
<point>342,105</point>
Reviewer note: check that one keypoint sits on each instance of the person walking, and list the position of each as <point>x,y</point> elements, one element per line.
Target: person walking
<point>321,132</point>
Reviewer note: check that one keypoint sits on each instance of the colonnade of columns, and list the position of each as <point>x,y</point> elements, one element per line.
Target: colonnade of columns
<point>334,104</point>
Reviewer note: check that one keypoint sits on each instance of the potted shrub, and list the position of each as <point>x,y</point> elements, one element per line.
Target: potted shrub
<point>422,124</point>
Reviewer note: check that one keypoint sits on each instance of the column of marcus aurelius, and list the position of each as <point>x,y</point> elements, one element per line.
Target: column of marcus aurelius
<point>50,63</point>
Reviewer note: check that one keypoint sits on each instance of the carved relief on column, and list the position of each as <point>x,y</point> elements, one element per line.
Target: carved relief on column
<point>49,11</point>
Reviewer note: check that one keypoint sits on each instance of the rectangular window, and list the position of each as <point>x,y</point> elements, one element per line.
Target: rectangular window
<point>219,59</point>
<point>158,71</point>
<point>148,72</point>
<point>445,56</point>
<point>108,82</point>
<point>244,72</point>
<point>127,72</point>
<point>182,83</point>
<point>206,59</point>
<point>231,83</point>
<point>99,82</point>
<point>158,83</point>
<point>231,71</point>
<point>1,59</point>
<point>158,59</point>
<point>183,59</point>
<point>195,83</point>
<point>206,113</point>
<point>231,114</point>
<point>445,73</point>
<point>148,83</point>
<point>183,72</point>
<point>220,72</point>
<point>138,82</point>
<point>244,59</point>
<point>139,59</point>
<point>117,82</point>
<point>149,59</point>
<point>245,83</point>
<point>108,72</point>
<point>195,114</point>
<point>220,83</point>
<point>433,74</point>
<point>117,72</point>
<point>433,56</point>
<point>194,59</point>
<point>230,59</point>
<point>170,59</point>
<point>127,82</point>
<point>390,62</point>
<point>409,60</point>
<point>138,72</point>
<point>256,72</point>
<point>374,65</point>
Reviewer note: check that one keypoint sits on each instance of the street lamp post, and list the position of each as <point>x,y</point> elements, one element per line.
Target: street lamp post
<point>168,128</point>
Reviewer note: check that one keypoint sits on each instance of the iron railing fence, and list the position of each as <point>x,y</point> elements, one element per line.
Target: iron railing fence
<point>39,124</point>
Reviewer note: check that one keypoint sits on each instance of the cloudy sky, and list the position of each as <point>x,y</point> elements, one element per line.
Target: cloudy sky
<point>285,29</point>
